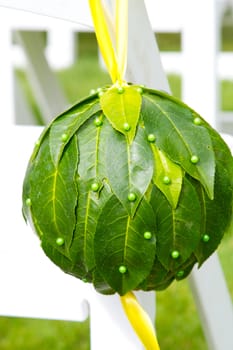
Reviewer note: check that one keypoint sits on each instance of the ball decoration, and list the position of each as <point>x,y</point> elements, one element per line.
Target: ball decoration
<point>129,189</point>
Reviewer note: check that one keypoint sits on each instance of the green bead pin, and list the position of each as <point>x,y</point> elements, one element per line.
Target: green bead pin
<point>147,235</point>
<point>180,274</point>
<point>64,137</point>
<point>122,269</point>
<point>166,180</point>
<point>197,121</point>
<point>132,197</point>
<point>205,238</point>
<point>95,187</point>
<point>60,241</point>
<point>194,159</point>
<point>28,202</point>
<point>98,121</point>
<point>126,127</point>
<point>120,90</point>
<point>151,138</point>
<point>175,254</point>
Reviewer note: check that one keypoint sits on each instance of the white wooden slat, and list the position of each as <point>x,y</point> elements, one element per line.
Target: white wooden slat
<point>200,41</point>
<point>45,86</point>
<point>214,304</point>
<point>6,75</point>
<point>31,286</point>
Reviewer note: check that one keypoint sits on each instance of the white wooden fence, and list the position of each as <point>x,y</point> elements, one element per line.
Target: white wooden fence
<point>30,285</point>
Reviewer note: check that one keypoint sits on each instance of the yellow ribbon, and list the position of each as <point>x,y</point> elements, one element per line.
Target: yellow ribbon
<point>115,59</point>
<point>140,321</point>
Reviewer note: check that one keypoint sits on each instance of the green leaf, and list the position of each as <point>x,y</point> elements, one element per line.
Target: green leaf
<point>177,229</point>
<point>119,241</point>
<point>91,170</point>
<point>166,169</point>
<point>61,260</point>
<point>129,168</point>
<point>53,194</point>
<point>101,285</point>
<point>92,144</point>
<point>65,126</point>
<point>89,207</point>
<point>216,214</point>
<point>122,109</point>
<point>178,136</point>
<point>158,279</point>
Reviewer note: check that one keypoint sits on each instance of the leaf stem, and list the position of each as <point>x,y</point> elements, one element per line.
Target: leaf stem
<point>140,321</point>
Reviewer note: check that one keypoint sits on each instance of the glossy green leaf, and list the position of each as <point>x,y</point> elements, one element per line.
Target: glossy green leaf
<point>60,259</point>
<point>91,169</point>
<point>179,137</point>
<point>129,168</point>
<point>66,125</point>
<point>216,215</point>
<point>164,167</point>
<point>178,229</point>
<point>119,241</point>
<point>122,109</point>
<point>101,285</point>
<point>158,279</point>
<point>53,194</point>
<point>89,207</point>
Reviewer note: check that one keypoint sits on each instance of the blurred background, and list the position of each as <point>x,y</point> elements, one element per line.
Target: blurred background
<point>66,60</point>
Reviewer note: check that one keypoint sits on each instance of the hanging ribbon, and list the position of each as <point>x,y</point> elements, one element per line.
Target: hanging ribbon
<point>115,59</point>
<point>140,321</point>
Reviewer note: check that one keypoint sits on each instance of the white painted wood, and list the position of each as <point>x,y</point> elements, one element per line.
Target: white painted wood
<point>144,63</point>
<point>200,45</point>
<point>50,96</point>
<point>69,10</point>
<point>31,286</point>
<point>214,304</point>
<point>6,75</point>
<point>26,115</point>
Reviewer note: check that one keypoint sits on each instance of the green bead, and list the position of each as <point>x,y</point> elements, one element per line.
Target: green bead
<point>166,180</point>
<point>98,121</point>
<point>122,269</point>
<point>120,90</point>
<point>60,241</point>
<point>28,202</point>
<point>84,280</point>
<point>140,89</point>
<point>175,254</point>
<point>132,197</point>
<point>180,274</point>
<point>95,187</point>
<point>64,137</point>
<point>151,138</point>
<point>92,92</point>
<point>205,238</point>
<point>147,235</point>
<point>100,92</point>
<point>37,143</point>
<point>126,127</point>
<point>194,159</point>
<point>197,121</point>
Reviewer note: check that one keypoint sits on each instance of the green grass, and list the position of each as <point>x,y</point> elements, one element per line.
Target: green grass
<point>177,321</point>
<point>31,334</point>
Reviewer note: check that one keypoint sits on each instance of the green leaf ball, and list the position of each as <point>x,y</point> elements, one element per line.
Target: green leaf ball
<point>129,208</point>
